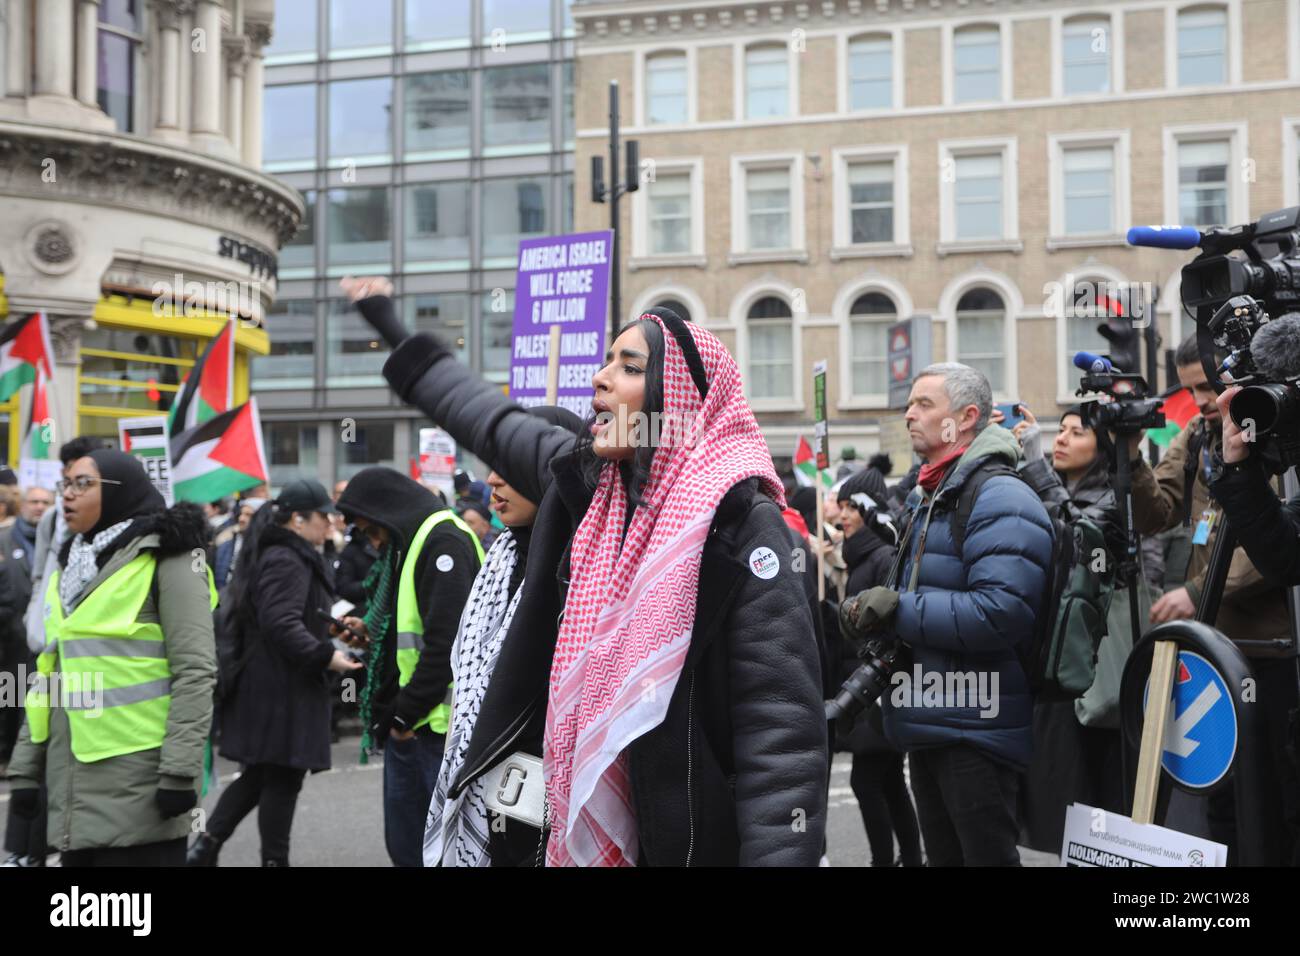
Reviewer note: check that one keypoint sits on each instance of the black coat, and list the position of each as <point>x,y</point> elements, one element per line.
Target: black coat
<point>736,773</point>
<point>278,711</point>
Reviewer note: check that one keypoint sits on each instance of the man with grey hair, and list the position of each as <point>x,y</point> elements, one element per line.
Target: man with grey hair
<point>976,563</point>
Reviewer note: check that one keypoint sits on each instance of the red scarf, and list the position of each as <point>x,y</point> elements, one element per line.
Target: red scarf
<point>932,472</point>
<point>629,612</point>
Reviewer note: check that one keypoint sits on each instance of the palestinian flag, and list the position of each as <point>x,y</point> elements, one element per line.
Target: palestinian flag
<point>24,348</point>
<point>220,457</point>
<point>805,466</point>
<point>36,444</point>
<point>149,441</point>
<point>1179,408</point>
<point>208,390</point>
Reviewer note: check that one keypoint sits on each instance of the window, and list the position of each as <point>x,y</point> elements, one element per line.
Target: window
<point>767,203</point>
<point>767,82</point>
<point>978,196</point>
<point>437,224</point>
<point>771,349</point>
<point>1202,46</point>
<point>437,113</point>
<point>977,64</point>
<point>1085,56</point>
<point>869,319</point>
<point>670,214</point>
<point>516,17</point>
<point>295,28</point>
<point>291,325</point>
<point>497,330</point>
<point>981,335</point>
<point>1203,193</point>
<point>371,444</point>
<point>666,89</point>
<point>298,252</point>
<point>361,120</point>
<point>431,23</point>
<point>118,38</point>
<point>289,125</point>
<point>513,209</point>
<point>871,73</point>
<point>1089,190</point>
<point>292,451</point>
<point>360,27</point>
<point>445,315</point>
<point>355,354</point>
<point>358,222</point>
<point>517,105</point>
<point>871,202</point>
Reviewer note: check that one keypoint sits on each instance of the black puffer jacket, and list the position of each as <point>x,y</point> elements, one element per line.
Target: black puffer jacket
<point>444,573</point>
<point>736,774</point>
<point>278,711</point>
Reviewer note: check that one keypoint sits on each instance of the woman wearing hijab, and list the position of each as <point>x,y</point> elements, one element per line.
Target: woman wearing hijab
<point>676,703</point>
<point>128,626</point>
<point>459,831</point>
<point>869,549</point>
<point>275,716</point>
<point>1077,743</point>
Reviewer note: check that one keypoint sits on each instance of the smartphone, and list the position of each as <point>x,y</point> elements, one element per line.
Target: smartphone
<point>326,616</point>
<point>1012,412</point>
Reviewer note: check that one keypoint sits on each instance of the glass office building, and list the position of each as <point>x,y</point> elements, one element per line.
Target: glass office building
<point>427,137</point>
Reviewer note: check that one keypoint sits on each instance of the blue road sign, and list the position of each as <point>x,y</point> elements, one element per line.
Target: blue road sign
<point>1201,736</point>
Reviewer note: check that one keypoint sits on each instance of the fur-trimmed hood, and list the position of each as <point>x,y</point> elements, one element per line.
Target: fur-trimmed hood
<point>179,528</point>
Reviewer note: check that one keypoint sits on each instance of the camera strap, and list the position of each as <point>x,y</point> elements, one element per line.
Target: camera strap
<point>1195,446</point>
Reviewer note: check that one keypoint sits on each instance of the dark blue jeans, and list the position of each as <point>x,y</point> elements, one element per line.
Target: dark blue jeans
<point>410,772</point>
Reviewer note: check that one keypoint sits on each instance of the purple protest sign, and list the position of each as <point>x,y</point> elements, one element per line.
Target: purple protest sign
<point>564,281</point>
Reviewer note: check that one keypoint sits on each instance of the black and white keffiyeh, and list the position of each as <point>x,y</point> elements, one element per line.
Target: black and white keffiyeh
<point>83,563</point>
<point>456,831</point>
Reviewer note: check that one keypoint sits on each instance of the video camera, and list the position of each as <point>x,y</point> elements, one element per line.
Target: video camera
<point>1238,289</point>
<point>1128,408</point>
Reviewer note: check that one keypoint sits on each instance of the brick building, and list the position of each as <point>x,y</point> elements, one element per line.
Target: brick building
<point>816,170</point>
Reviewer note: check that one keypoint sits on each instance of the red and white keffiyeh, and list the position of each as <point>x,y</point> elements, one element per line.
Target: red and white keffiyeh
<point>631,603</point>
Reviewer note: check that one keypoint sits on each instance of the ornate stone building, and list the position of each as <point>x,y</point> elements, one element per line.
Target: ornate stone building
<point>133,211</point>
<point>815,170</point>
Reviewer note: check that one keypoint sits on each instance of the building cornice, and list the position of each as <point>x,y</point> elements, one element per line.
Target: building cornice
<point>115,170</point>
<point>646,19</point>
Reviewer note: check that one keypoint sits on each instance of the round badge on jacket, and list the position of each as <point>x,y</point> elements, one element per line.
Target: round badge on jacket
<point>764,563</point>
<point>445,562</point>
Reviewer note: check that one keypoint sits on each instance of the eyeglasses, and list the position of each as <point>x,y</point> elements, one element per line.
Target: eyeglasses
<point>81,484</point>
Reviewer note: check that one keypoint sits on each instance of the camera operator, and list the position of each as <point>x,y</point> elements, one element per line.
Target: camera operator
<point>1268,530</point>
<point>968,602</point>
<point>1253,612</point>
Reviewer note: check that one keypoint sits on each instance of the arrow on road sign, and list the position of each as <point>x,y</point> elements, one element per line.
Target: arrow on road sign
<point>1176,740</point>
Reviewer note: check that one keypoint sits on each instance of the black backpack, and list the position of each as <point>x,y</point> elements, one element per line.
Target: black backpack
<point>1060,660</point>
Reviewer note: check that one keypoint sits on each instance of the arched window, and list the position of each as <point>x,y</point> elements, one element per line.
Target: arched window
<point>981,334</point>
<point>677,306</point>
<point>666,88</point>
<point>1085,55</point>
<point>767,81</point>
<point>977,64</point>
<point>771,348</point>
<point>1203,46</point>
<point>869,319</point>
<point>871,72</point>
